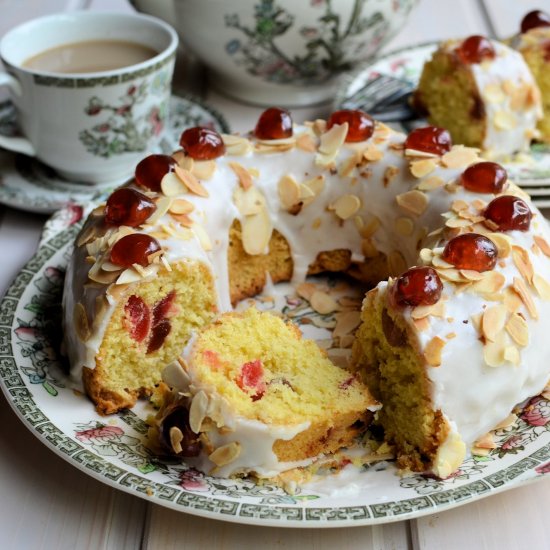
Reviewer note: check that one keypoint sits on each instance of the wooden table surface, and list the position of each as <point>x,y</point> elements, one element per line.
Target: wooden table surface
<point>47,503</point>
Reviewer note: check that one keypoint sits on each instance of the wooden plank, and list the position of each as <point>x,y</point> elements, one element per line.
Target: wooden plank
<point>46,503</point>
<point>514,519</point>
<point>169,529</point>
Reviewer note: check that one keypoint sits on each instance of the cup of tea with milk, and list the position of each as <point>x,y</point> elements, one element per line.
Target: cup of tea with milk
<point>91,91</point>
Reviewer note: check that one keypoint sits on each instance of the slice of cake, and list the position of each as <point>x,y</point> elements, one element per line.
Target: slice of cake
<point>483,93</point>
<point>252,396</point>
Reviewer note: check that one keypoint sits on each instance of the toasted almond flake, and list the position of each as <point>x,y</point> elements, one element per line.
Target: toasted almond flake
<point>423,167</point>
<point>204,169</point>
<point>347,341</point>
<point>316,223</point>
<point>521,288</point>
<point>542,286</point>
<point>171,185</point>
<point>492,281</point>
<point>507,422</point>
<point>404,226</point>
<point>505,120</point>
<point>492,321</point>
<point>420,154</point>
<point>197,411</point>
<point>348,165</point>
<point>451,187</point>
<point>183,219</point>
<point>428,184</point>
<point>389,174</point>
<point>323,303</point>
<point>181,206</point>
<point>306,290</point>
<point>176,437</point>
<point>440,263</point>
<point>368,248</point>
<point>502,242</point>
<point>330,143</point>
<point>523,262</point>
<point>244,176</point>
<point>306,143</point>
<point>346,206</point>
<point>226,454</point>
<point>511,300</point>
<point>87,234</point>
<point>433,350</point>
<point>369,229</point>
<point>289,191</point>
<point>306,194</point>
<point>110,266</point>
<point>459,204</point>
<point>203,236</point>
<point>346,323</point>
<point>426,255</point>
<point>486,441</point>
<point>493,93</point>
<point>480,451</point>
<point>182,159</point>
<point>191,182</point>
<point>81,325</point>
<point>512,355</point>
<point>542,244</point>
<point>437,310</point>
<point>450,335</point>
<point>372,153</point>
<point>517,328</point>
<point>249,202</point>
<point>493,352</point>
<point>236,145</point>
<point>421,325</point>
<point>471,274</point>
<point>460,157</point>
<point>129,275</point>
<point>316,184</point>
<point>162,204</point>
<point>414,202</point>
<point>456,222</point>
<point>452,275</point>
<point>256,232</point>
<point>396,263</point>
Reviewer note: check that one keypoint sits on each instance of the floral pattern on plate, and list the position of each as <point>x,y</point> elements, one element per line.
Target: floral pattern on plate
<point>406,64</point>
<point>27,184</point>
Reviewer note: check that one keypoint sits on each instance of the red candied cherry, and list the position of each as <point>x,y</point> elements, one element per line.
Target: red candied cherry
<point>134,249</point>
<point>138,318</point>
<point>274,123</point>
<point>509,213</point>
<point>151,170</point>
<point>418,286</point>
<point>360,125</point>
<point>202,143</point>
<point>484,177</point>
<point>534,19</point>
<point>471,251</point>
<point>251,379</point>
<point>475,49</point>
<point>127,206</point>
<point>178,417</point>
<point>430,139</point>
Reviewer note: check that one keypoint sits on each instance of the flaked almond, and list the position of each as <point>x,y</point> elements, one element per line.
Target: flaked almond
<point>456,222</point>
<point>517,328</point>
<point>323,303</point>
<point>306,143</point>
<point>542,286</point>
<point>493,352</point>
<point>197,411</point>
<point>492,281</point>
<point>492,322</point>
<point>306,290</point>
<point>512,355</point>
<point>346,206</point>
<point>368,229</point>
<point>191,182</point>
<point>204,169</point>
<point>88,234</point>
<point>171,185</point>
<point>236,145</point>
<point>330,144</point>
<point>372,153</point>
<point>346,323</point>
<point>81,324</point>
<point>505,120</point>
<point>390,173</point>
<point>256,232</point>
<point>243,175</point>
<point>289,191</point>
<point>162,204</point>
<point>521,288</point>
<point>181,206</point>
<point>422,167</point>
<point>316,184</point>
<point>348,165</point>
<point>226,454</point>
<point>507,422</point>
<point>396,263</point>
<point>414,202</point>
<point>437,310</point>
<point>523,262</point>
<point>249,202</point>
<point>203,236</point>
<point>176,437</point>
<point>493,93</point>
<point>428,184</point>
<point>433,351</point>
<point>542,244</point>
<point>459,157</point>
<point>502,242</point>
<point>404,226</point>
<point>486,441</point>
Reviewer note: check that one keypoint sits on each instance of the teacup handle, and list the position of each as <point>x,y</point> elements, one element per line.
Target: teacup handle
<point>17,144</point>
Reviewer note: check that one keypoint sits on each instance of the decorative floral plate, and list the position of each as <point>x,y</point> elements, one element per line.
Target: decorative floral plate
<point>531,170</point>
<point>27,184</point>
<point>113,449</point>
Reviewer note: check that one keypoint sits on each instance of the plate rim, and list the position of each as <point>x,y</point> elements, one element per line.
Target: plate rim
<point>57,245</point>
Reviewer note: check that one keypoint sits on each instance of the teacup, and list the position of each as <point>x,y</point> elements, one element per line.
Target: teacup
<point>91,124</point>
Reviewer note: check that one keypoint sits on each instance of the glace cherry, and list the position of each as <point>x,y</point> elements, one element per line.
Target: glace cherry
<point>127,206</point>
<point>534,19</point>
<point>134,249</point>
<point>484,177</point>
<point>151,170</point>
<point>471,251</point>
<point>418,286</point>
<point>178,417</point>
<point>475,49</point>
<point>360,125</point>
<point>202,143</point>
<point>274,123</point>
<point>430,139</point>
<point>509,213</point>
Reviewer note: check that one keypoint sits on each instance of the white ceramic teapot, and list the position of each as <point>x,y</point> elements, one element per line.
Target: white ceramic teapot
<point>281,52</point>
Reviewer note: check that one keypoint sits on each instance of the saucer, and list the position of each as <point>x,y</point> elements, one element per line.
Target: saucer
<point>530,170</point>
<point>28,184</point>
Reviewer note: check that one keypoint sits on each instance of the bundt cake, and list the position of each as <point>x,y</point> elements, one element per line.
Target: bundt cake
<point>483,93</point>
<point>201,229</point>
<point>251,396</point>
<point>533,43</point>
